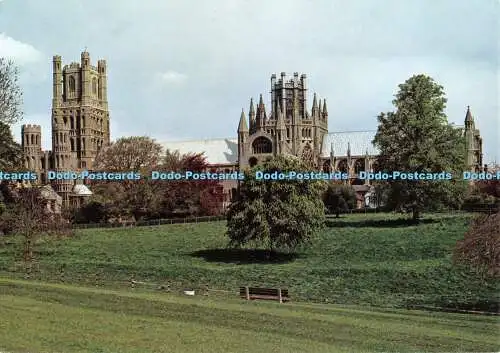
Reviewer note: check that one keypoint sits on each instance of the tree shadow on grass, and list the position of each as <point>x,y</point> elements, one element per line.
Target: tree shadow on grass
<point>244,256</point>
<point>382,223</point>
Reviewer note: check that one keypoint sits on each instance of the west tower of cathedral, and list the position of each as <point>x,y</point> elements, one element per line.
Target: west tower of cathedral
<point>79,119</point>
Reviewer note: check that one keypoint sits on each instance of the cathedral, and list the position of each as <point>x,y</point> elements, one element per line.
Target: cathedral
<point>289,127</point>
<point>80,126</point>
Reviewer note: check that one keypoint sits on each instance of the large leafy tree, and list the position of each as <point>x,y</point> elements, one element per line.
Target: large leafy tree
<point>276,214</point>
<point>416,137</point>
<point>127,197</point>
<point>189,197</point>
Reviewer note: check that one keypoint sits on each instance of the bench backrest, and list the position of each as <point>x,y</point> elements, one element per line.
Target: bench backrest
<point>263,291</point>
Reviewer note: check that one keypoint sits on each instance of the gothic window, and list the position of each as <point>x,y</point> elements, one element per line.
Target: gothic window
<point>326,166</point>
<point>72,84</point>
<point>252,161</point>
<point>359,166</point>
<point>262,145</point>
<point>287,132</point>
<point>32,139</point>
<point>94,85</point>
<point>307,156</point>
<point>342,167</point>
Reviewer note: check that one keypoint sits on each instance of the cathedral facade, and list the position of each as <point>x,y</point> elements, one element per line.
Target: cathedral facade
<point>80,124</point>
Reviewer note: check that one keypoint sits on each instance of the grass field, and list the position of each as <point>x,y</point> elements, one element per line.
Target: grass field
<point>361,259</point>
<point>79,297</point>
<point>38,317</point>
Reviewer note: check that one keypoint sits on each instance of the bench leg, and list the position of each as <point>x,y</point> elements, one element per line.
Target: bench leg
<point>247,293</point>
<point>279,294</point>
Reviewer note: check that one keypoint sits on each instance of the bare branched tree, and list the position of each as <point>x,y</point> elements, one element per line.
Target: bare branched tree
<point>10,93</point>
<point>30,218</point>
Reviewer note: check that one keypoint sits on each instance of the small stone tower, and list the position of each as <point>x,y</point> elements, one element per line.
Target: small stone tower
<point>32,147</point>
<point>287,129</point>
<point>80,116</point>
<point>474,144</point>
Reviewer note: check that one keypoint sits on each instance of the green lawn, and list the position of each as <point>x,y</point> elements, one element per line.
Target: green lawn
<point>41,317</point>
<point>360,259</point>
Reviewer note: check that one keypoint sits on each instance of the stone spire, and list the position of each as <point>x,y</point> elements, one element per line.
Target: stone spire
<point>469,120</point>
<point>315,105</point>
<point>251,114</point>
<point>243,127</point>
<point>325,111</point>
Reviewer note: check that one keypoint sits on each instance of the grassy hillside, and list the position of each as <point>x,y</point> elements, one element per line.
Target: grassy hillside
<point>39,317</point>
<point>360,259</point>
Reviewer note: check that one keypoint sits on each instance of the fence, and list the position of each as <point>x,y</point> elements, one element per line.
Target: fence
<point>151,222</point>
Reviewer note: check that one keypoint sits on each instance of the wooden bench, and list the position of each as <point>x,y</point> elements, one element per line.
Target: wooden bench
<point>250,293</point>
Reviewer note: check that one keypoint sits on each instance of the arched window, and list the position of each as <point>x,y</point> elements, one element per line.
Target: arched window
<point>342,167</point>
<point>32,139</point>
<point>252,161</point>
<point>326,166</point>
<point>262,145</point>
<point>359,166</point>
<point>94,86</point>
<point>307,155</point>
<point>71,84</point>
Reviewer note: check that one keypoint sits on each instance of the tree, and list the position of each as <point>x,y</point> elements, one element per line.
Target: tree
<point>129,154</point>
<point>416,137</point>
<point>480,248</point>
<point>10,112</point>
<point>189,197</point>
<point>10,93</point>
<point>10,151</point>
<point>30,218</point>
<point>139,154</point>
<point>339,198</point>
<point>281,213</point>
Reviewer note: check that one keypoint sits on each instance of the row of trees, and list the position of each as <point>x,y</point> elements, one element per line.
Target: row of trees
<point>146,198</point>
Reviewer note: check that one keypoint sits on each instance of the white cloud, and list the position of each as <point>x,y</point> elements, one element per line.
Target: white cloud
<point>20,52</point>
<point>172,77</point>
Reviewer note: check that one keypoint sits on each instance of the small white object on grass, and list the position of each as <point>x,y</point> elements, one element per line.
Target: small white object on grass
<point>189,292</point>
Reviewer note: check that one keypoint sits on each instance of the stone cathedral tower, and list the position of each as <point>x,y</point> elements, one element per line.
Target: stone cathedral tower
<point>80,122</point>
<point>289,128</point>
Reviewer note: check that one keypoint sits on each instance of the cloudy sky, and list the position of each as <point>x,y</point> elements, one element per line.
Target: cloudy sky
<point>184,69</point>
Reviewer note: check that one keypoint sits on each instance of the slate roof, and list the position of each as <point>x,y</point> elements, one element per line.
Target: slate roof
<point>225,150</point>
<point>217,151</point>
<point>359,141</point>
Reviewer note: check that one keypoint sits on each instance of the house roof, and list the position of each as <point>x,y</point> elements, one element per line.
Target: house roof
<point>81,190</point>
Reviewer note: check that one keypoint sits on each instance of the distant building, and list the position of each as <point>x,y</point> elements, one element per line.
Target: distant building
<point>80,124</point>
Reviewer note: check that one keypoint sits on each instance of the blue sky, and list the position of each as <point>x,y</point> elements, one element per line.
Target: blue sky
<point>184,69</point>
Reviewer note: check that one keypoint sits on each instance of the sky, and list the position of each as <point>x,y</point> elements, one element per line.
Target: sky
<point>184,69</point>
